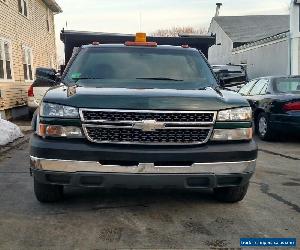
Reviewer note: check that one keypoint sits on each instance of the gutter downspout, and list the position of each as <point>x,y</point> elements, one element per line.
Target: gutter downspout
<point>290,53</point>
<point>294,37</point>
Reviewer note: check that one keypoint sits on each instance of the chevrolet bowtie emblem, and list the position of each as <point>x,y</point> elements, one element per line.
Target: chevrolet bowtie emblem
<point>149,125</point>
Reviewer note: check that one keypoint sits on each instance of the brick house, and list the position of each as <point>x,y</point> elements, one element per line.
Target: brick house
<point>27,41</point>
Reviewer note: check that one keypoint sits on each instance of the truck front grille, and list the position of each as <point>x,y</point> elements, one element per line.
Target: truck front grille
<point>136,136</point>
<point>147,127</point>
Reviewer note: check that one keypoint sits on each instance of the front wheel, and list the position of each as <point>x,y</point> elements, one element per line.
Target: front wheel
<point>46,193</point>
<point>263,128</point>
<point>231,194</point>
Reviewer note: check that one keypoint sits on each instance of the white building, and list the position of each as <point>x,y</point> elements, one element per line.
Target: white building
<point>261,42</point>
<point>266,44</point>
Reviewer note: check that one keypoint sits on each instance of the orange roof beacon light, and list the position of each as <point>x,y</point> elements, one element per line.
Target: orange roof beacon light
<point>141,40</point>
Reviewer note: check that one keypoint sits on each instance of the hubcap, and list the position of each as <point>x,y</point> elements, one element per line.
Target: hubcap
<point>262,126</point>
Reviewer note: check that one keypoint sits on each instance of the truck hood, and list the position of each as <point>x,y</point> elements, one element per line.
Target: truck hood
<point>145,99</point>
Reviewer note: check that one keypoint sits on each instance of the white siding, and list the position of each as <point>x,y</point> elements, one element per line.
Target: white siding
<point>267,60</point>
<point>219,54</point>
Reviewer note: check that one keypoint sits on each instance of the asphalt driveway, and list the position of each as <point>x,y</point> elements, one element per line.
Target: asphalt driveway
<point>96,219</point>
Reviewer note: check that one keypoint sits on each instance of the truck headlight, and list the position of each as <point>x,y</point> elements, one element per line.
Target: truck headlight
<point>237,114</point>
<point>45,130</point>
<point>238,134</point>
<point>57,110</point>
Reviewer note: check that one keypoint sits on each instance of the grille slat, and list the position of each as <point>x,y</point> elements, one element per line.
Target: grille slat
<point>140,116</point>
<point>129,135</point>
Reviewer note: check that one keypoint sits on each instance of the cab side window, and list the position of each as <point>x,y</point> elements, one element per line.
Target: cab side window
<point>245,90</point>
<point>259,86</point>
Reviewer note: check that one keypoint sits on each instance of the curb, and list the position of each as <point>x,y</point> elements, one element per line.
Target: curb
<point>15,144</point>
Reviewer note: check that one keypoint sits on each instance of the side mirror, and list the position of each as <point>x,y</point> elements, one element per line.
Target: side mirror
<point>46,76</point>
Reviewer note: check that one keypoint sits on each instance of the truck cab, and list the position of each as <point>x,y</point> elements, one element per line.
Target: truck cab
<point>138,115</point>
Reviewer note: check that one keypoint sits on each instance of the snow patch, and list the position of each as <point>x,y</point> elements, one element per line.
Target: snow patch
<point>9,132</point>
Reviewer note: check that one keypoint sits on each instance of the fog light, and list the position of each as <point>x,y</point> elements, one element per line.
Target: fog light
<point>238,134</point>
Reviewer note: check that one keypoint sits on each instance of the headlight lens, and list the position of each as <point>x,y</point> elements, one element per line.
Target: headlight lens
<point>238,134</point>
<point>56,110</point>
<point>45,130</point>
<point>238,114</point>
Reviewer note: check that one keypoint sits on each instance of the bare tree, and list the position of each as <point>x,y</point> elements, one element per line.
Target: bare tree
<point>176,31</point>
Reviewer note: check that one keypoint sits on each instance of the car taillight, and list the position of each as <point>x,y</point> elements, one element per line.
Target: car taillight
<point>292,106</point>
<point>30,91</point>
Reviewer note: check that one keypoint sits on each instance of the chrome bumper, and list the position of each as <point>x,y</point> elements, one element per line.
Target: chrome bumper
<point>69,166</point>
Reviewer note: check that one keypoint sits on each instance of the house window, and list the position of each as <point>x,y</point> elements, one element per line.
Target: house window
<point>5,60</point>
<point>27,64</point>
<point>23,7</point>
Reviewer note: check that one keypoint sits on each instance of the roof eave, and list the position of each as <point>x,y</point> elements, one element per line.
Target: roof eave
<point>53,5</point>
<point>279,36</point>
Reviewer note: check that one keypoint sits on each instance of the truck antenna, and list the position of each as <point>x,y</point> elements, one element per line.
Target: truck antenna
<point>140,14</point>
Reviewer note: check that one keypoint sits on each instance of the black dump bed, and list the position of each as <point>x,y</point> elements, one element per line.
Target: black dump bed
<point>73,39</point>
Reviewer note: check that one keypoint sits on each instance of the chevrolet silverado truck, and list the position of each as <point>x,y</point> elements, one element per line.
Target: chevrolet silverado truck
<point>141,115</point>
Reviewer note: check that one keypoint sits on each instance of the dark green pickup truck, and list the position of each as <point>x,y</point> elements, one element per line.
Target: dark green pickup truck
<point>138,115</point>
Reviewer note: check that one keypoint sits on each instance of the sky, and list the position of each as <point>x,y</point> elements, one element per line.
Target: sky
<point>131,16</point>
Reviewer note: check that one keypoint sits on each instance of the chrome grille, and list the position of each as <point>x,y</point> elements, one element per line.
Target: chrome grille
<point>147,126</point>
<point>162,116</point>
<point>162,136</point>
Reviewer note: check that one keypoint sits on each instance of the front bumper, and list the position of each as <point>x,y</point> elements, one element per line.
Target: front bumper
<point>68,166</point>
<point>80,163</point>
<point>32,103</point>
<point>134,181</point>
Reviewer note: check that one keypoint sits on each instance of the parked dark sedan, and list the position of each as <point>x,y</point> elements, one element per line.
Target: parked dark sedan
<point>276,104</point>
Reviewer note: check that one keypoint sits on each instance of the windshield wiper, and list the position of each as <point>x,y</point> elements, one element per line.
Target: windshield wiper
<point>86,78</point>
<point>159,79</point>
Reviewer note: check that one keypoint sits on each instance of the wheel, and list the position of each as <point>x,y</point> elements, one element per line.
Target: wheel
<point>47,193</point>
<point>263,128</point>
<point>231,194</point>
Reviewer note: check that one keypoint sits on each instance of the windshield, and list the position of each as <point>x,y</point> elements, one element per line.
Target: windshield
<point>140,67</point>
<point>287,85</point>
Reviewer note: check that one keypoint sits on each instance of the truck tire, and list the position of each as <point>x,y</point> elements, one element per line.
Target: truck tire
<point>46,193</point>
<point>231,194</point>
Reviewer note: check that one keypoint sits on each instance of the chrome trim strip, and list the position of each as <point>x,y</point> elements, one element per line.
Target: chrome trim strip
<point>70,166</point>
<point>132,127</point>
<point>84,126</point>
<point>81,110</point>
